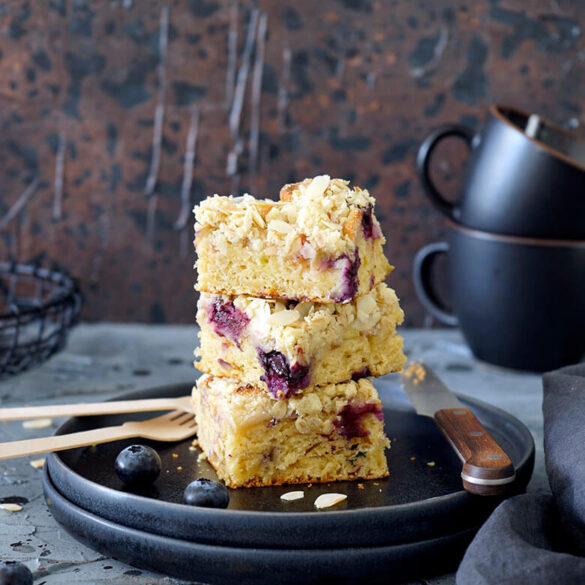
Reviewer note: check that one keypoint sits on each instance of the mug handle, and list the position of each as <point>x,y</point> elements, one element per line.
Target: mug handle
<point>423,161</point>
<point>423,263</point>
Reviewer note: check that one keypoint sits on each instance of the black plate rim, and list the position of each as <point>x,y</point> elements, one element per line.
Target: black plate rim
<point>58,502</point>
<point>55,461</point>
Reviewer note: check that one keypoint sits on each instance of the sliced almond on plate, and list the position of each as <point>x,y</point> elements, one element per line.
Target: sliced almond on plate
<point>328,500</point>
<point>292,496</point>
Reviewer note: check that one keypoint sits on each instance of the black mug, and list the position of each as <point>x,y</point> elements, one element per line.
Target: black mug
<point>525,177</point>
<point>520,302</point>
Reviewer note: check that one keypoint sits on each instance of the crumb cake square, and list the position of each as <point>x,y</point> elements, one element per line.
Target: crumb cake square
<point>286,347</point>
<point>335,432</point>
<point>321,242</point>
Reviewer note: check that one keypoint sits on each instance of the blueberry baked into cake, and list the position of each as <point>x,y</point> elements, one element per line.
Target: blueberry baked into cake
<point>294,318</point>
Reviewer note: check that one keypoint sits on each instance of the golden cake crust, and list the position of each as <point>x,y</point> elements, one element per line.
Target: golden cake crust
<point>301,479</point>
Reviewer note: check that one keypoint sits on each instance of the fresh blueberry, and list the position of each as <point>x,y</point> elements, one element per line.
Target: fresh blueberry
<point>206,493</point>
<point>138,465</point>
<point>15,573</point>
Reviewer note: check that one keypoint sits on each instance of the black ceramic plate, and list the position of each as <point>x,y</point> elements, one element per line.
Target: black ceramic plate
<point>219,565</point>
<point>417,502</point>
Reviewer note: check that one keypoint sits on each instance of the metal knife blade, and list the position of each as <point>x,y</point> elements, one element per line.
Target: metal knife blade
<point>487,469</point>
<point>425,391</point>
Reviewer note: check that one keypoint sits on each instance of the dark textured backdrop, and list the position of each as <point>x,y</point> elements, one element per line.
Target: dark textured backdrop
<point>107,103</point>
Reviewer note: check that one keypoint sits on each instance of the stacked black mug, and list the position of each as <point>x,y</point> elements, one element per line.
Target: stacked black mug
<point>515,244</point>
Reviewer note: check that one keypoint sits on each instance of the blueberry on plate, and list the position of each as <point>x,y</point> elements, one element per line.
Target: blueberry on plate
<point>206,493</point>
<point>138,465</point>
<point>15,573</point>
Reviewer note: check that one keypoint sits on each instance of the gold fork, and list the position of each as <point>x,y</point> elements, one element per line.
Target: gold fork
<point>173,426</point>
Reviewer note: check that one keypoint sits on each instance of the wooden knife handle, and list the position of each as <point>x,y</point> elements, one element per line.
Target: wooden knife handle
<point>487,470</point>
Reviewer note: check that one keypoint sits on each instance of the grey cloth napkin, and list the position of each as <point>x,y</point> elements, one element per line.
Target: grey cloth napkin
<point>539,539</point>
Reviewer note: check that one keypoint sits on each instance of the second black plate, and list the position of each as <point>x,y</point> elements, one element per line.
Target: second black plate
<point>224,565</point>
<point>421,499</point>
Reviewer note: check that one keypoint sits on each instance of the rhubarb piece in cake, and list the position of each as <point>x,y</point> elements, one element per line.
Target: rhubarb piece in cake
<point>335,432</point>
<point>321,242</point>
<point>286,347</point>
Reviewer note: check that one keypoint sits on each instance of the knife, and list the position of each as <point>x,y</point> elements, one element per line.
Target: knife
<point>487,470</point>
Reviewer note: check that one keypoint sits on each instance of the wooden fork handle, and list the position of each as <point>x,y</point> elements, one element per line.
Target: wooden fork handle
<point>487,470</point>
<point>61,442</point>
<point>88,409</point>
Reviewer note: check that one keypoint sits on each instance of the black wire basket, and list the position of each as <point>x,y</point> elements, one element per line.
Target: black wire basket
<point>38,307</point>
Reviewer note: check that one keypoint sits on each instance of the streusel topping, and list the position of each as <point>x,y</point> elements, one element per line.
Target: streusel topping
<point>310,325</point>
<point>312,222</point>
<point>241,406</point>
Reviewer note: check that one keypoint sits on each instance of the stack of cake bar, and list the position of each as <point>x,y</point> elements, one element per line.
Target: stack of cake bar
<point>294,317</point>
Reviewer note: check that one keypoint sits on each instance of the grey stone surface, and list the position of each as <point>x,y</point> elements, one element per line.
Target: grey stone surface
<point>105,360</point>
